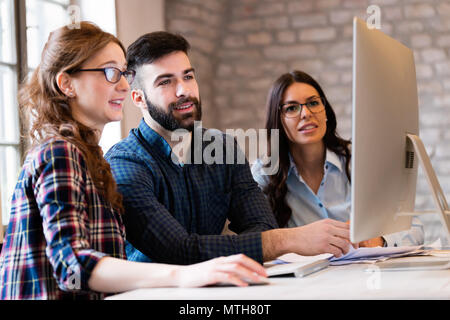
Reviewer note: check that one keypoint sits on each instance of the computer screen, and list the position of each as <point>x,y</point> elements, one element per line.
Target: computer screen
<point>385,110</point>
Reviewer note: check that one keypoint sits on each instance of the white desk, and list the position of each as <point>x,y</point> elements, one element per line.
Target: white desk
<point>336,282</point>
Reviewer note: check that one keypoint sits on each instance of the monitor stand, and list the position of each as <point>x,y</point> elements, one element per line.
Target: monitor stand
<point>442,210</point>
<point>436,190</point>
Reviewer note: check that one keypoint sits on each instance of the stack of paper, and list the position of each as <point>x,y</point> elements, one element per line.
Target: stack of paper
<point>291,262</point>
<point>372,255</point>
<point>360,255</point>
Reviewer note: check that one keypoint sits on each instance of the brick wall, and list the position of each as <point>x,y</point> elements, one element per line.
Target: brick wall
<point>241,46</point>
<point>201,22</point>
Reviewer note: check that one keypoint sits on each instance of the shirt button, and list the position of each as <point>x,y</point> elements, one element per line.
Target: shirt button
<point>320,205</point>
<point>321,184</point>
<point>326,167</point>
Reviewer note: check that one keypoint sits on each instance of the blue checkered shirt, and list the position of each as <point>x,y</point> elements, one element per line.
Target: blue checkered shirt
<point>175,213</point>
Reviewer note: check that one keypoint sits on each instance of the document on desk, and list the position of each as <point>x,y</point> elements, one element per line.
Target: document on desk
<point>298,265</point>
<point>375,254</point>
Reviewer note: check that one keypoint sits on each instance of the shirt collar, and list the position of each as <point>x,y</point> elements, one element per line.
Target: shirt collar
<point>292,167</point>
<point>330,158</point>
<point>154,139</point>
<point>333,159</point>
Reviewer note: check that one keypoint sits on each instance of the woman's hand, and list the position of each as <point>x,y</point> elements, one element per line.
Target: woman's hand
<point>236,269</point>
<point>374,242</point>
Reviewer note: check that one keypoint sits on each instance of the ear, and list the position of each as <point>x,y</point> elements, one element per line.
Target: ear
<point>138,97</point>
<point>64,82</point>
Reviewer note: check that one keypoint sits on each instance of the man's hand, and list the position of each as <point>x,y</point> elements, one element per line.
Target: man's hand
<point>323,236</point>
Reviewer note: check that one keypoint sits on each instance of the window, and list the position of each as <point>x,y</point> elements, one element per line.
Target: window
<point>107,21</point>
<point>24,29</point>
<point>42,17</point>
<point>9,118</point>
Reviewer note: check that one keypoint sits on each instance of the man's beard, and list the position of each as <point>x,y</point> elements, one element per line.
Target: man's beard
<point>171,123</point>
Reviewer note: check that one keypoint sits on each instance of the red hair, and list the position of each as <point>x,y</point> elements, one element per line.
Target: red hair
<point>51,115</point>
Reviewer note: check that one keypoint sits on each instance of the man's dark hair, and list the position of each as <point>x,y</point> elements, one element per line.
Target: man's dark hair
<point>152,46</point>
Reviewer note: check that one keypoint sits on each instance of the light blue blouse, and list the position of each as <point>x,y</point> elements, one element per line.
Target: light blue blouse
<point>333,199</point>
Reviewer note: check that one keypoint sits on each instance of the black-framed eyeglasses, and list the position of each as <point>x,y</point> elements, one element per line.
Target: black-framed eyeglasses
<point>113,74</point>
<point>294,109</point>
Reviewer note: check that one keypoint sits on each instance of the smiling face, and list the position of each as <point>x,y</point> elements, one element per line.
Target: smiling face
<point>171,91</point>
<point>96,100</point>
<point>308,127</point>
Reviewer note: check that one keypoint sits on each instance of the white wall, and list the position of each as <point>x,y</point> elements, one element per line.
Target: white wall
<point>135,18</point>
<point>107,21</point>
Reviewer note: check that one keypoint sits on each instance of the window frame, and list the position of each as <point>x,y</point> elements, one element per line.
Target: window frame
<point>19,67</point>
<point>20,70</point>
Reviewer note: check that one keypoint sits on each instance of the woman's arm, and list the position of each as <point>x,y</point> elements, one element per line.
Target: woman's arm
<point>116,275</point>
<point>60,192</point>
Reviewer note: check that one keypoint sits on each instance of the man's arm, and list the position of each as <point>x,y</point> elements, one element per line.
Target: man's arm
<point>323,236</point>
<point>250,210</point>
<point>153,230</point>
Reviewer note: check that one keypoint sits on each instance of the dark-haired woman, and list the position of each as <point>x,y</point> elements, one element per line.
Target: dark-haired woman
<point>313,179</point>
<point>65,237</point>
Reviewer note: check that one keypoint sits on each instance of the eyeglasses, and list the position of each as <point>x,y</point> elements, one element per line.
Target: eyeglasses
<point>293,109</point>
<point>113,74</point>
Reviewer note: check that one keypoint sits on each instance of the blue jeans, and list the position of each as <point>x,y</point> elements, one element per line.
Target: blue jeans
<point>134,254</point>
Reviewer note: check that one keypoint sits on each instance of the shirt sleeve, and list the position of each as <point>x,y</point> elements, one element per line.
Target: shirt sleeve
<point>250,209</point>
<point>411,237</point>
<point>60,194</point>
<point>258,174</point>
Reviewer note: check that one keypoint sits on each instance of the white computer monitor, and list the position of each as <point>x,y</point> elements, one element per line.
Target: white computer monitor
<point>385,145</point>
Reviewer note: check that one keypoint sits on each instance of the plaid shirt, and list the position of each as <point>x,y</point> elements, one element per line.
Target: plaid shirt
<point>59,228</point>
<point>176,213</point>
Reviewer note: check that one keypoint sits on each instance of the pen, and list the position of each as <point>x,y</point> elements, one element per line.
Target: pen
<point>311,268</point>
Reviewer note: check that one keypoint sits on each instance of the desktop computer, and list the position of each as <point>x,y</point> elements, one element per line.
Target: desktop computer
<point>386,148</point>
